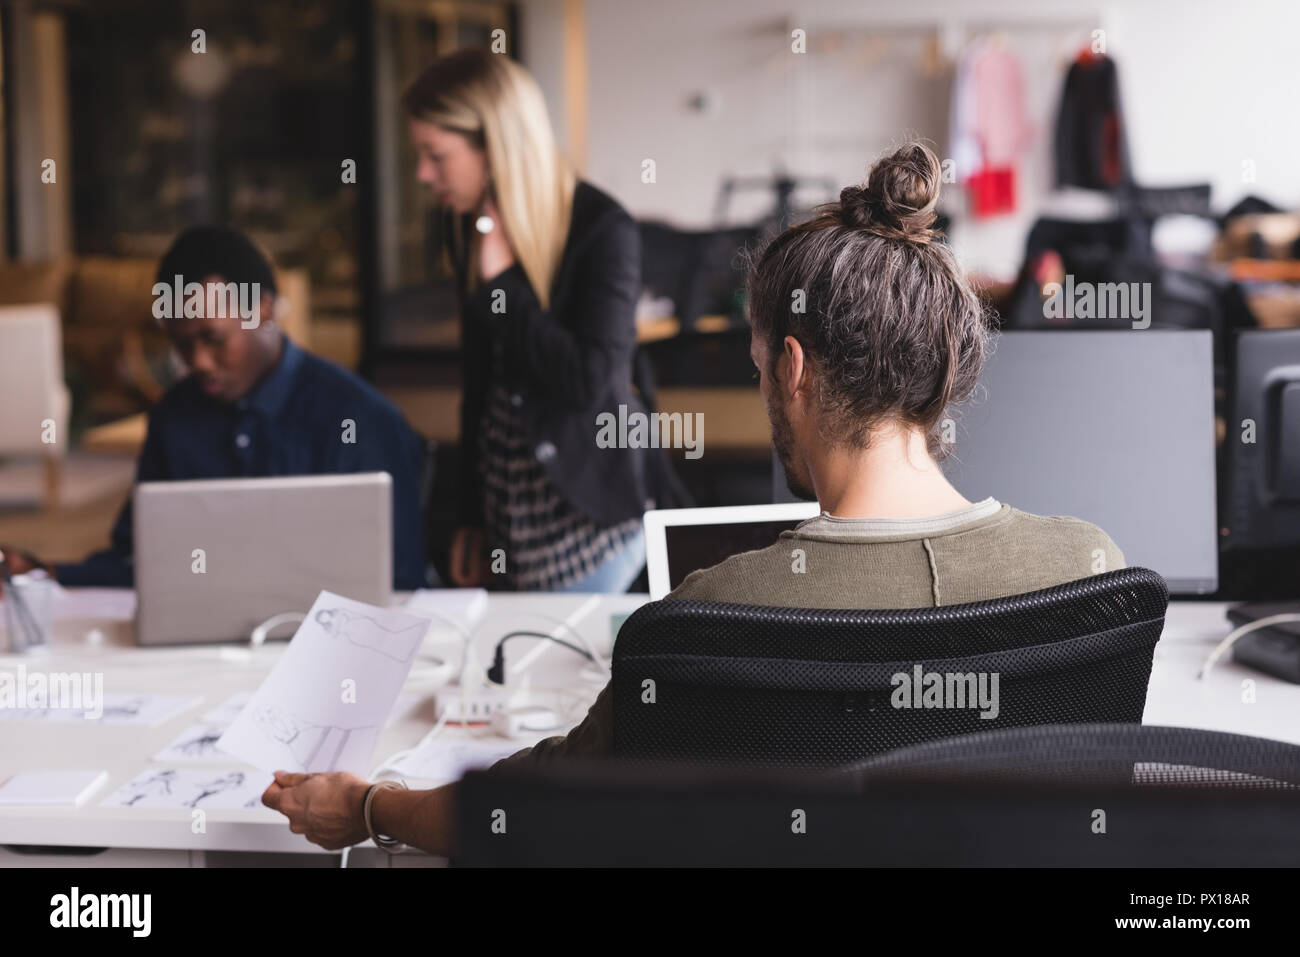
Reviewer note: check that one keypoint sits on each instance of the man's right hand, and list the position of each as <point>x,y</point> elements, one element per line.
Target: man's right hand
<point>468,566</point>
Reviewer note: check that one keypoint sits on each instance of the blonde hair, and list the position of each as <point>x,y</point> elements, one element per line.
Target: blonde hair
<point>496,104</point>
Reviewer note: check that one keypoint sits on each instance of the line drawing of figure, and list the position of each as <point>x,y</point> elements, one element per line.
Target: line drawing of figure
<point>155,785</point>
<point>123,709</point>
<point>202,745</point>
<point>398,644</point>
<point>227,782</point>
<point>316,747</point>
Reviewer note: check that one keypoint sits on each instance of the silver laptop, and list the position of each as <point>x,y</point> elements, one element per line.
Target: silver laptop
<point>216,558</point>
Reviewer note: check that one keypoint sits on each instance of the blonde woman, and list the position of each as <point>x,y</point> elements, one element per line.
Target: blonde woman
<point>548,275</point>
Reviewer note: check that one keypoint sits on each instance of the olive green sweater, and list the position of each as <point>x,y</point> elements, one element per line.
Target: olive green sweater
<point>984,551</point>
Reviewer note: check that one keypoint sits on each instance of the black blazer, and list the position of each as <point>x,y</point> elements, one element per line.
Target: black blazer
<point>563,365</point>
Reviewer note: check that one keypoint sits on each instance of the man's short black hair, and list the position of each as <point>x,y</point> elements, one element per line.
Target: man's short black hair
<point>203,251</point>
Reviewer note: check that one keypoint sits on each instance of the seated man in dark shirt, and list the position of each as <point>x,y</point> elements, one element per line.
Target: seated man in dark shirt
<point>256,405</point>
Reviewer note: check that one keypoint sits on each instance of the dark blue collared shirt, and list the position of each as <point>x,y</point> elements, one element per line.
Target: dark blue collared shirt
<point>291,423</point>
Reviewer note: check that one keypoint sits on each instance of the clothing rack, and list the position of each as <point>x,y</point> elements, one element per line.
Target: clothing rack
<point>944,37</point>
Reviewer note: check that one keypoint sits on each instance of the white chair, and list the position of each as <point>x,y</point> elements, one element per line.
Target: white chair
<point>34,402</point>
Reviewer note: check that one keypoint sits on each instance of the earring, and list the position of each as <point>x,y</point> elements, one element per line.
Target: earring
<point>485,223</point>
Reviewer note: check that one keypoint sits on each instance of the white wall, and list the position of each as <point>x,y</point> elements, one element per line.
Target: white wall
<point>1205,85</point>
<point>1209,84</point>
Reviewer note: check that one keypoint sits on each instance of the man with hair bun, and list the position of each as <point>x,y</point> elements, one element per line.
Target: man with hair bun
<point>857,386</point>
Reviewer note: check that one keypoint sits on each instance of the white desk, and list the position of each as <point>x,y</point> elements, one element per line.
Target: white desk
<point>1176,697</point>
<point>213,673</point>
<point>155,837</point>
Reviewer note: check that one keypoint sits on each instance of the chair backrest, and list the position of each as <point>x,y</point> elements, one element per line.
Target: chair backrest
<point>31,378</point>
<point>606,812</point>
<point>753,685</point>
<point>1087,755</point>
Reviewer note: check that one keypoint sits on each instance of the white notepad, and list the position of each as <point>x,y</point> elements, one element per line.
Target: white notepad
<point>62,787</point>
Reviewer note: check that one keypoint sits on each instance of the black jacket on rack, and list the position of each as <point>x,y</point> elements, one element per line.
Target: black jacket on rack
<point>564,365</point>
<point>1091,144</point>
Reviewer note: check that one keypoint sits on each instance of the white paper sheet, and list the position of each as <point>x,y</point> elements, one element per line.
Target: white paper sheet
<point>197,744</point>
<point>404,703</point>
<point>211,789</point>
<point>440,759</point>
<point>324,703</point>
<point>56,787</point>
<point>229,709</point>
<point>226,712</point>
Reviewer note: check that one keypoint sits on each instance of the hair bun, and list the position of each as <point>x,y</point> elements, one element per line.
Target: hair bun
<point>898,200</point>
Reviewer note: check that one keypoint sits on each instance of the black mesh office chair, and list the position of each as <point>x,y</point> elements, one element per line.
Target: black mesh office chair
<point>736,684</point>
<point>1090,755</point>
<point>1076,795</point>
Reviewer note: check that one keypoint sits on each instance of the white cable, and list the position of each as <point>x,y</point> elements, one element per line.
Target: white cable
<point>566,623</point>
<point>441,671</point>
<point>1237,633</point>
<point>258,636</point>
<point>389,763</point>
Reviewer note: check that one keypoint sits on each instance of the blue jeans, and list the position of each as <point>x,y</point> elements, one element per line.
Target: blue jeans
<point>617,572</point>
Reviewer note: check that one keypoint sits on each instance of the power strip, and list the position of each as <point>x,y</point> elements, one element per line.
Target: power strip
<point>523,722</point>
<point>478,705</point>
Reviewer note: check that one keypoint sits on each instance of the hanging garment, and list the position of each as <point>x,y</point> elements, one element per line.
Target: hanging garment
<point>988,127</point>
<point>993,191</point>
<point>1091,145</point>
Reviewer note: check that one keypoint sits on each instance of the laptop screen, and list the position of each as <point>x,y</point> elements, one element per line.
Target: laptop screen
<point>680,541</point>
<point>692,547</point>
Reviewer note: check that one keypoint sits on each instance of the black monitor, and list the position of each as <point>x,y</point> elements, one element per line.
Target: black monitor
<point>1262,507</point>
<point>1115,427</point>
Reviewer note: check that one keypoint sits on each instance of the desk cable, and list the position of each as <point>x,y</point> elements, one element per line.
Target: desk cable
<point>257,637</point>
<point>1222,647</point>
<point>591,653</point>
<point>439,667</point>
<point>497,672</point>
